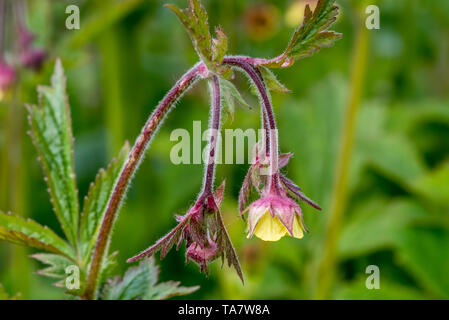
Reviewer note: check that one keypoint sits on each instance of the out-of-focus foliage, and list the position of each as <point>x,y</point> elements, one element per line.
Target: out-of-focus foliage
<point>125,57</point>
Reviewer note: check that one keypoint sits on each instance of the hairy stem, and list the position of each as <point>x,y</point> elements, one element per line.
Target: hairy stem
<point>128,171</point>
<point>215,127</point>
<point>272,138</point>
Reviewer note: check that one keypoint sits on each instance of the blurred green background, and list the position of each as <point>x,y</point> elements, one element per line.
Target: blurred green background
<point>367,121</point>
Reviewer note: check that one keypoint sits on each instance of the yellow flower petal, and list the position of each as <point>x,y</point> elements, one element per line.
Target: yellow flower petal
<point>297,229</point>
<point>269,228</point>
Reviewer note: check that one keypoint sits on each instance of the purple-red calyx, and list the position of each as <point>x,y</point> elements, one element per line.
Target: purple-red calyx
<point>275,214</point>
<point>204,233</point>
<point>30,57</point>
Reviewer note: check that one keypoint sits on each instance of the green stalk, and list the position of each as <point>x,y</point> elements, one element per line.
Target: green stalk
<point>110,49</point>
<point>328,264</point>
<point>12,187</point>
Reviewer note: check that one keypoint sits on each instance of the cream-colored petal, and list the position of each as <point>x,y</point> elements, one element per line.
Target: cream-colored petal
<point>297,229</point>
<point>269,228</point>
<point>254,216</point>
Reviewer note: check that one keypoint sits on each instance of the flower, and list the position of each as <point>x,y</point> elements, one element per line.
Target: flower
<point>33,58</point>
<point>204,233</point>
<point>201,255</point>
<point>272,217</point>
<point>7,77</point>
<point>30,57</point>
<point>261,21</point>
<point>276,213</point>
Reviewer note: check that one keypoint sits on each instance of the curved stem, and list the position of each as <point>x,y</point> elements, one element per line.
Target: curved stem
<point>214,127</point>
<point>272,148</point>
<point>128,171</point>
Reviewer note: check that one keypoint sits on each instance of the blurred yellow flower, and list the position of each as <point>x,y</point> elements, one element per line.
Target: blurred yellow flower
<point>295,13</point>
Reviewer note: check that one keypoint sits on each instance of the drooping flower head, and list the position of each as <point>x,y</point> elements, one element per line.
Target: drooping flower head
<point>33,58</point>
<point>204,233</point>
<point>30,56</point>
<point>275,214</point>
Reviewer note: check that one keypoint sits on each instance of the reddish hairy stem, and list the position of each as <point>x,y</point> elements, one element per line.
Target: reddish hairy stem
<point>244,64</point>
<point>215,127</point>
<point>128,171</point>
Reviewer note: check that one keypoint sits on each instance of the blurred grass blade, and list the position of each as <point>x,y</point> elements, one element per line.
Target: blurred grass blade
<point>101,21</point>
<point>29,233</point>
<point>52,135</point>
<point>96,201</point>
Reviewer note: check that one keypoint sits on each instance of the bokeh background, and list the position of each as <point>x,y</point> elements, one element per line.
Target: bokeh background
<point>367,121</point>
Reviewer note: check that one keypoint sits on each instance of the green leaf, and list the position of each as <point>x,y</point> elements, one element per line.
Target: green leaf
<point>377,225</point>
<point>271,81</point>
<point>195,20</point>
<point>96,201</point>
<point>211,51</point>
<point>167,290</point>
<point>389,290</point>
<point>311,36</point>
<point>434,184</point>
<point>231,94</point>
<point>219,46</point>
<point>424,253</point>
<point>57,266</point>
<point>52,135</point>
<point>5,296</point>
<point>140,282</point>
<point>29,233</point>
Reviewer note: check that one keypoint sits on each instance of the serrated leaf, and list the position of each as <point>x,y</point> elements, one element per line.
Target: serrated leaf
<point>271,81</point>
<point>230,94</point>
<point>229,252</point>
<point>210,50</point>
<point>167,290</point>
<point>140,282</point>
<point>29,233</point>
<point>52,135</point>
<point>195,21</point>
<point>219,46</point>
<point>310,36</point>
<point>57,266</point>
<point>96,201</point>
